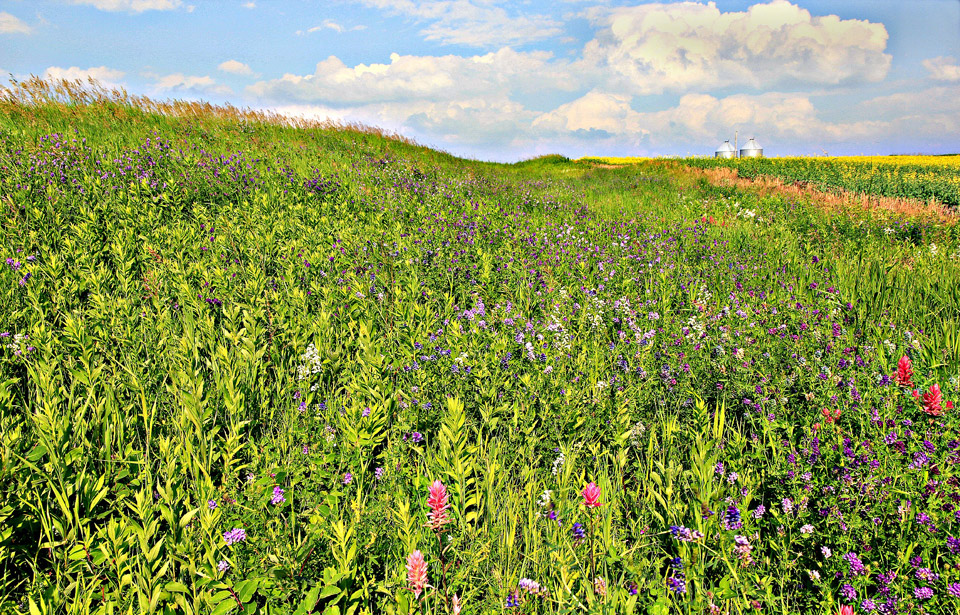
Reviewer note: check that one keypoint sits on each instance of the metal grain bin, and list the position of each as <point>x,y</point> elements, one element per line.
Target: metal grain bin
<point>752,149</point>
<point>725,151</point>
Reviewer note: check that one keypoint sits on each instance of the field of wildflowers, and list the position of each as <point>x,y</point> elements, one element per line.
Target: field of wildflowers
<point>247,367</point>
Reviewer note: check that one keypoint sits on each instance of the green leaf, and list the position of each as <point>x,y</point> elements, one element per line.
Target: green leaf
<point>309,602</point>
<point>329,590</point>
<point>225,607</point>
<point>246,589</point>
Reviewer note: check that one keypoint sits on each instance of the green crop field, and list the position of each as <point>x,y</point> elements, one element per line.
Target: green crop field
<point>255,368</point>
<point>923,178</point>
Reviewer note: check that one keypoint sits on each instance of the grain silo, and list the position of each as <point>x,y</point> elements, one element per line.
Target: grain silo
<point>725,151</point>
<point>752,149</point>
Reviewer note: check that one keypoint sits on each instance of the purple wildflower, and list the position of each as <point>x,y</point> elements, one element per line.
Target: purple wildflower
<point>234,536</point>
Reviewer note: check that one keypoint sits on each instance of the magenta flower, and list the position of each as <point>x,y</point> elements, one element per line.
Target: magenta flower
<point>591,496</point>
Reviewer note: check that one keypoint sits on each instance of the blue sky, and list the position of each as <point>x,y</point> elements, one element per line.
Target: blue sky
<point>503,80</point>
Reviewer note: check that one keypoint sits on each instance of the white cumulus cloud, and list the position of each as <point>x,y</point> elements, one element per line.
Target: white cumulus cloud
<point>109,77</point>
<point>235,67</point>
<point>596,112</point>
<point>688,46</point>
<point>10,24</point>
<point>703,120</point>
<point>943,68</point>
<point>504,73</point>
<point>178,82</point>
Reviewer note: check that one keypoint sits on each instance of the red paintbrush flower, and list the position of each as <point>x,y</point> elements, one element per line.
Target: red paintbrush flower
<point>933,401</point>
<point>416,572</point>
<point>846,610</point>
<point>830,416</point>
<point>438,501</point>
<point>904,372</point>
<point>591,495</point>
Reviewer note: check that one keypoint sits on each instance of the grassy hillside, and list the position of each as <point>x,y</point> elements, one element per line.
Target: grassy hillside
<point>249,366</point>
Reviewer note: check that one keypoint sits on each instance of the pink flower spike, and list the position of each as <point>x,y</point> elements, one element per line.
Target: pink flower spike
<point>846,610</point>
<point>416,572</point>
<point>438,501</point>
<point>591,495</point>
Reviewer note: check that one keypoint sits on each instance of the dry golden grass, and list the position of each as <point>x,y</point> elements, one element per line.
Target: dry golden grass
<point>81,97</point>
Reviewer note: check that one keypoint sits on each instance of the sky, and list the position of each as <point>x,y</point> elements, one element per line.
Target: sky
<point>507,80</point>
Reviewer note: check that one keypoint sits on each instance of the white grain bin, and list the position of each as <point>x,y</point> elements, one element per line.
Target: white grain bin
<point>725,151</point>
<point>751,149</point>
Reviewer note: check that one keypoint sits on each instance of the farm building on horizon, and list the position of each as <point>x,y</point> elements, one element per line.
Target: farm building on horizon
<point>751,149</point>
<point>725,151</point>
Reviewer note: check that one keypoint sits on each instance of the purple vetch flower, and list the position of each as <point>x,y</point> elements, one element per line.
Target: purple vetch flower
<point>277,496</point>
<point>223,565</point>
<point>759,511</point>
<point>579,534</point>
<point>684,534</point>
<point>211,504</point>
<point>378,473</point>
<point>234,536</point>
<point>925,574</point>
<point>868,605</point>
<point>923,593</point>
<point>848,592</point>
<point>954,590</point>
<point>731,519</point>
<point>347,478</point>
<point>856,566</point>
<point>677,583</point>
<point>953,545</point>
<point>743,549</point>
